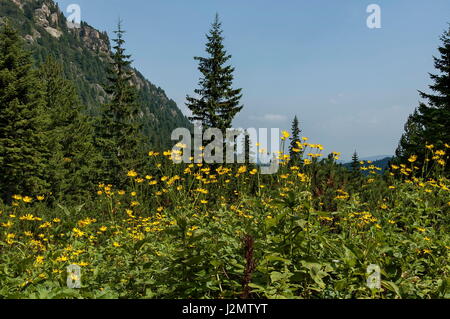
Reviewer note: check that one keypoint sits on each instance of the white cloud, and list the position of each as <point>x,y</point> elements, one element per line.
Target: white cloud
<point>337,99</point>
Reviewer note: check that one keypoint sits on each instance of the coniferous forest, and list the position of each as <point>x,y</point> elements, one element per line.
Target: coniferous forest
<point>87,179</point>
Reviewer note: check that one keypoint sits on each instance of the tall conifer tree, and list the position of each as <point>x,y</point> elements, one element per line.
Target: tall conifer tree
<point>435,117</point>
<point>70,135</point>
<point>355,165</point>
<point>430,123</point>
<point>23,141</point>
<point>119,131</point>
<point>217,103</point>
<point>294,148</point>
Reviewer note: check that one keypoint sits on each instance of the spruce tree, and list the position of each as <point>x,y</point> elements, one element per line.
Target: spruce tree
<point>294,148</point>
<point>431,121</point>
<point>435,117</point>
<point>70,132</point>
<point>119,130</point>
<point>218,102</point>
<point>23,141</point>
<point>355,165</point>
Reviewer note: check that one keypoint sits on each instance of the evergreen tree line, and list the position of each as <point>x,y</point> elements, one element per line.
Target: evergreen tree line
<point>48,146</point>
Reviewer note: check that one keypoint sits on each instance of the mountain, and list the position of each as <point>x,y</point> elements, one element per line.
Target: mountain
<point>84,53</point>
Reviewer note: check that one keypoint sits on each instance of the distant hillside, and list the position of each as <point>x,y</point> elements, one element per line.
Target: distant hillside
<point>375,158</point>
<point>84,53</point>
<point>383,163</point>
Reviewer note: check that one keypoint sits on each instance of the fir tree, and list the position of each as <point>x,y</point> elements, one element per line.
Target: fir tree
<point>70,135</point>
<point>23,142</point>
<point>355,165</point>
<point>431,121</point>
<point>294,149</point>
<point>218,102</point>
<point>435,117</point>
<point>119,131</point>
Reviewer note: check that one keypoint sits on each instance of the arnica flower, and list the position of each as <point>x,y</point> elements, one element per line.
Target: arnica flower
<point>285,135</point>
<point>82,264</point>
<point>242,169</point>
<point>39,260</point>
<point>62,259</point>
<point>28,217</point>
<point>27,199</point>
<point>202,190</point>
<point>78,233</point>
<point>413,158</point>
<point>10,238</point>
<point>132,173</point>
<point>40,198</point>
<point>181,145</point>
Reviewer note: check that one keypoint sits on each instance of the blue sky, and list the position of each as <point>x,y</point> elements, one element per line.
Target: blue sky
<point>351,87</point>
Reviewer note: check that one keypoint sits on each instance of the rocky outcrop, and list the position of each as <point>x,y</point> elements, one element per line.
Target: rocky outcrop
<point>93,39</point>
<point>84,53</point>
<point>48,18</point>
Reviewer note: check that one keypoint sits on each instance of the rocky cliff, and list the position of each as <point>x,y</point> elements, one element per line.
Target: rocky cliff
<point>84,52</point>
